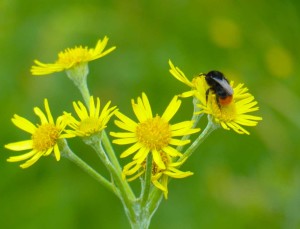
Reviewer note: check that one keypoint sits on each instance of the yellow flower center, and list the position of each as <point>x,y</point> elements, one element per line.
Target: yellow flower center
<point>154,133</point>
<point>89,126</point>
<point>74,56</point>
<point>45,137</point>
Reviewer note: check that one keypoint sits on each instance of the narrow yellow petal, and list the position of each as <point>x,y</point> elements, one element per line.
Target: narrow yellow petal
<point>124,141</point>
<point>141,154</point>
<point>56,152</point>
<point>97,109</point>
<point>147,105</point>
<point>186,131</point>
<point>139,111</point>
<point>19,146</point>
<point>246,122</point>
<point>175,173</point>
<point>83,110</point>
<point>50,118</point>
<point>48,151</point>
<point>126,126</point>
<point>181,125</point>
<point>179,75</point>
<point>132,149</point>
<point>131,168</point>
<point>125,119</point>
<point>100,45</point>
<point>92,107</point>
<point>22,157</point>
<point>41,115</point>
<point>123,134</point>
<point>23,124</point>
<point>172,152</point>
<point>157,159</point>
<point>67,135</point>
<point>45,69</point>
<point>32,160</point>
<point>159,185</point>
<point>237,128</point>
<point>136,176</point>
<point>171,109</point>
<point>78,111</point>
<point>188,94</point>
<point>178,142</point>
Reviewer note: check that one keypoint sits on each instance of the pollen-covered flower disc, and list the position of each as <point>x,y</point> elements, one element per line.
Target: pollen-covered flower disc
<point>151,133</point>
<point>44,137</point>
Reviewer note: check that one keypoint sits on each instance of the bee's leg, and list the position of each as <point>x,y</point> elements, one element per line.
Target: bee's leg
<point>206,95</point>
<point>206,98</point>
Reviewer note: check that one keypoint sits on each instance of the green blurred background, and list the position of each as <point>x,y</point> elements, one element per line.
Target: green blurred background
<point>239,182</point>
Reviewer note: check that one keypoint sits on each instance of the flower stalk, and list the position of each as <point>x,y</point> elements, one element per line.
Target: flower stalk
<point>70,155</point>
<point>147,183</point>
<point>78,75</point>
<point>210,127</point>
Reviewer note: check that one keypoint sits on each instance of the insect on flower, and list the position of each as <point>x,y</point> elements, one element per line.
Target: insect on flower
<point>220,86</point>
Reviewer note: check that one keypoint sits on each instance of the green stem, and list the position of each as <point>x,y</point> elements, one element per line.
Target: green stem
<point>154,200</point>
<point>210,127</point>
<point>84,90</point>
<point>110,151</point>
<point>195,118</point>
<point>78,75</point>
<point>147,182</point>
<point>126,194</point>
<point>69,154</point>
<point>117,174</point>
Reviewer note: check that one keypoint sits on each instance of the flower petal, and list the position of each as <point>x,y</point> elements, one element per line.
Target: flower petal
<point>171,109</point>
<point>41,115</point>
<point>23,124</point>
<point>32,160</point>
<point>132,149</point>
<point>19,146</point>
<point>157,159</point>
<point>22,157</point>
<point>125,141</point>
<point>50,118</point>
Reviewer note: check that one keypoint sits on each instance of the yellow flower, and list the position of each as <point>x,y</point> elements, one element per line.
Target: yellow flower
<point>91,121</point>
<point>231,116</point>
<point>159,177</point>
<point>44,137</point>
<point>152,133</point>
<point>72,57</point>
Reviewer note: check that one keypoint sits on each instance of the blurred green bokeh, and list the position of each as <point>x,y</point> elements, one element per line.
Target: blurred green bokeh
<point>239,181</point>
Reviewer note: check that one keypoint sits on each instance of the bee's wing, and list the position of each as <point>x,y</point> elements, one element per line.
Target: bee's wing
<point>224,83</point>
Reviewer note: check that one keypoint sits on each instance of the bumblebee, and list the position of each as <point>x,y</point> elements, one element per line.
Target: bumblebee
<point>220,86</point>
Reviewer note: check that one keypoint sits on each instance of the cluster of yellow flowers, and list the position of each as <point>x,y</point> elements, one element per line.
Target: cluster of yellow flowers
<point>152,137</point>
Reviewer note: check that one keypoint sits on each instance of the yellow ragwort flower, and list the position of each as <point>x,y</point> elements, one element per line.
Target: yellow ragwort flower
<point>230,116</point>
<point>71,58</point>
<point>91,120</point>
<point>152,133</point>
<point>44,137</point>
<point>159,177</point>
